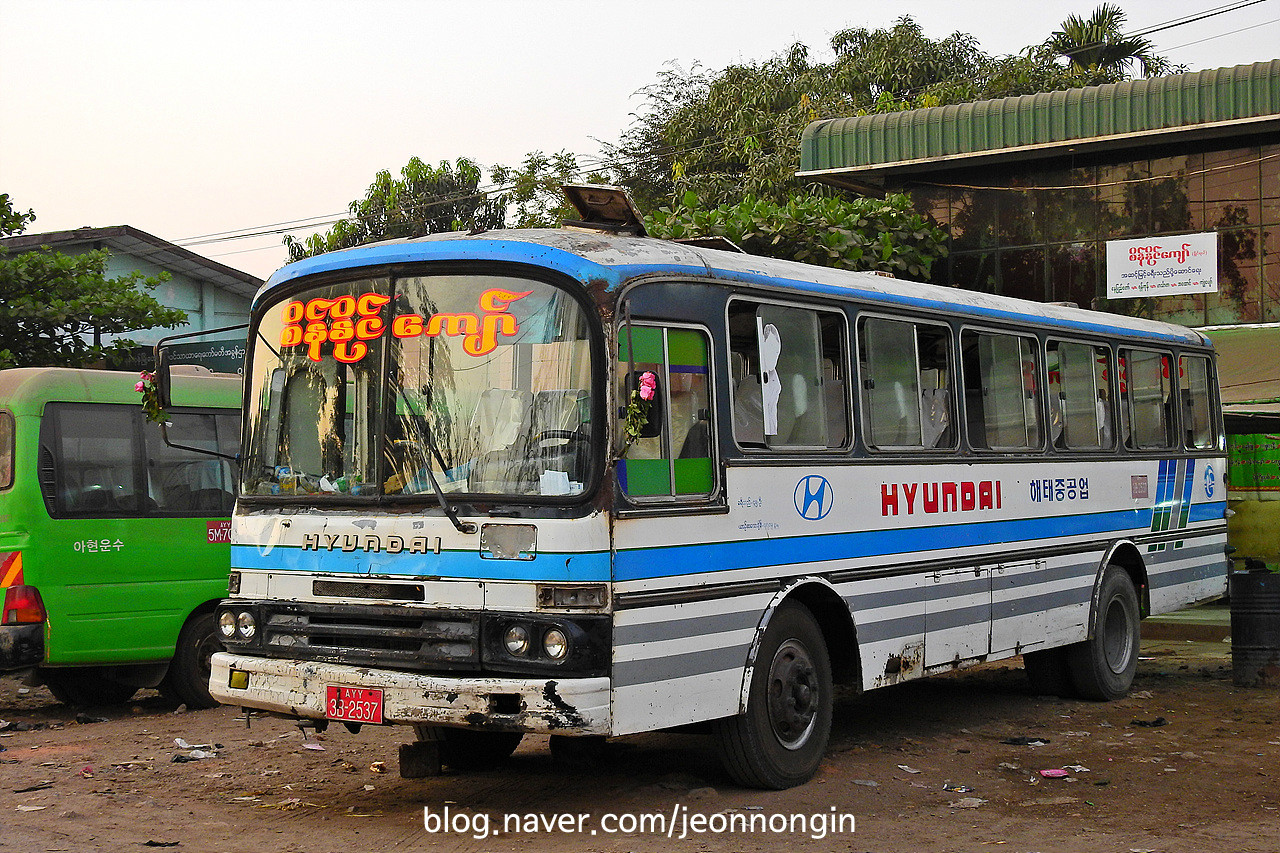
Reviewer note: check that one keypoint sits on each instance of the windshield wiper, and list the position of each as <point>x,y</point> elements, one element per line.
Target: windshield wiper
<point>463,526</point>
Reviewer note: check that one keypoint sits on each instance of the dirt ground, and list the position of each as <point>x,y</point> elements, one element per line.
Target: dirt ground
<point>1208,779</point>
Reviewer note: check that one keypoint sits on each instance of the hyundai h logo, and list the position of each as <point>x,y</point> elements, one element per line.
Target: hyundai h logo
<point>814,497</point>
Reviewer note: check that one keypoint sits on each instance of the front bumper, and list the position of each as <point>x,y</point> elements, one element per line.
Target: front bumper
<point>297,688</point>
<point>21,646</point>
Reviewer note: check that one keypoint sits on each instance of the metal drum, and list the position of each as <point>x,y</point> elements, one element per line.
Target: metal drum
<point>1255,628</point>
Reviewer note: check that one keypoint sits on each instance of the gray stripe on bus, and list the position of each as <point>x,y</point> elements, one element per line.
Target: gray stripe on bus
<point>677,629</point>
<point>632,672</point>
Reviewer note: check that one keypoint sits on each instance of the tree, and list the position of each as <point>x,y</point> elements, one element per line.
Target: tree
<point>52,305</point>
<point>736,132</point>
<point>1097,50</point>
<point>532,189</point>
<point>860,234</point>
<point>424,200</point>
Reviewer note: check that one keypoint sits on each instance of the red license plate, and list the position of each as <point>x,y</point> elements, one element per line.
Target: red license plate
<point>353,704</point>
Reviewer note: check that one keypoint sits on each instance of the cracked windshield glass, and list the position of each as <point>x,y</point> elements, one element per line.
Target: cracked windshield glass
<point>487,391</point>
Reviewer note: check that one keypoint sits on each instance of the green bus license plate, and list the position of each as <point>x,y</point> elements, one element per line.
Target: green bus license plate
<point>353,704</point>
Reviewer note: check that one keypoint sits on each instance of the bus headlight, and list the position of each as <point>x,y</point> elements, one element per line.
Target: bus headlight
<point>555,644</point>
<point>517,640</point>
<point>227,624</point>
<point>245,625</point>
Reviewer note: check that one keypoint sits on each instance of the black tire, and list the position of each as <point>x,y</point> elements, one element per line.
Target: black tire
<point>588,754</point>
<point>1103,666</point>
<point>467,749</point>
<point>781,739</point>
<point>86,686</point>
<point>188,677</point>
<point>1048,672</point>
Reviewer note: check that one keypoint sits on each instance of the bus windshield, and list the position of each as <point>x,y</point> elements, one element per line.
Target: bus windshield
<point>487,390</point>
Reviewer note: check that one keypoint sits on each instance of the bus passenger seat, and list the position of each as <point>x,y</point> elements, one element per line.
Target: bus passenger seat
<point>499,417</point>
<point>937,416</point>
<point>748,411</point>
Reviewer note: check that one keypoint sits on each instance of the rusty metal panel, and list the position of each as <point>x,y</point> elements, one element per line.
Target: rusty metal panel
<point>1048,118</point>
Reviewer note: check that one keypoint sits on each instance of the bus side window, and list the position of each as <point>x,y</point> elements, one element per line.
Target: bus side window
<point>787,383</point>
<point>906,384</point>
<point>182,482</point>
<point>1079,396</point>
<point>6,450</point>
<point>673,457</point>
<point>1149,399</point>
<point>95,453</point>
<point>1002,400</point>
<point>1197,420</point>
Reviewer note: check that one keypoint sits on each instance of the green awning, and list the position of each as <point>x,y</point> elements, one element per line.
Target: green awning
<point>865,150</point>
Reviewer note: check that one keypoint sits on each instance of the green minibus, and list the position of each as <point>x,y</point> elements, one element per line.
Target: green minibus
<point>114,543</point>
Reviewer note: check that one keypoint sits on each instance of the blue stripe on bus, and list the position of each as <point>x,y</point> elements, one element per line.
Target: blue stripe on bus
<point>512,251</point>
<point>1186,492</point>
<point>613,276</point>
<point>640,563</point>
<point>1214,511</point>
<point>447,564</point>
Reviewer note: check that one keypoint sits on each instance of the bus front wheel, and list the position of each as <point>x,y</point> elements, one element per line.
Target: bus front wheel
<point>1103,666</point>
<point>187,680</point>
<point>469,749</point>
<point>781,738</point>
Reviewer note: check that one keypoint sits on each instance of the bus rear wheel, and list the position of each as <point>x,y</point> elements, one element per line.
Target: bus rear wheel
<point>187,680</point>
<point>1103,666</point>
<point>86,686</point>
<point>781,739</point>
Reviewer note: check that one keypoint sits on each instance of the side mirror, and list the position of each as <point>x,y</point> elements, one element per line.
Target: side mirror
<point>162,379</point>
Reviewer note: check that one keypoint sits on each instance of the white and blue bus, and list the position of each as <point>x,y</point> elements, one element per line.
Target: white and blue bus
<point>444,521</point>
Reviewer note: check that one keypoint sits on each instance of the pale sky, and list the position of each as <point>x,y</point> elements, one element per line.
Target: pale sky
<point>192,118</point>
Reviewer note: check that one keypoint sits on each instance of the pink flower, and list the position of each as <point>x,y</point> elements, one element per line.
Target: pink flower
<point>140,387</point>
<point>648,385</point>
<point>146,377</point>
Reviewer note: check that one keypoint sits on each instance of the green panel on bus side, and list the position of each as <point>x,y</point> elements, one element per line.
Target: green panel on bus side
<point>686,347</point>
<point>693,477</point>
<point>647,477</point>
<point>647,341</point>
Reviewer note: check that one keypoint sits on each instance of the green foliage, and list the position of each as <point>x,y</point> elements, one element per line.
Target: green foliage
<point>737,132</point>
<point>13,221</point>
<point>49,301</point>
<point>532,189</point>
<point>862,234</point>
<point>1097,50</point>
<point>424,200</point>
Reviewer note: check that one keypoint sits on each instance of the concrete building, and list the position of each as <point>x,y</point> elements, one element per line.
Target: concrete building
<point>1031,188</point>
<point>212,295</point>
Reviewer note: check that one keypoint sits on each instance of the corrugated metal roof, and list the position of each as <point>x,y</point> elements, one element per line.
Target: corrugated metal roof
<point>1222,101</point>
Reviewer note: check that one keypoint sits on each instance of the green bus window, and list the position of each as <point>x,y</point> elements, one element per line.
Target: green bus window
<point>179,481</point>
<point>1197,418</point>
<point>677,461</point>
<point>1002,400</point>
<point>6,450</point>
<point>97,461</point>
